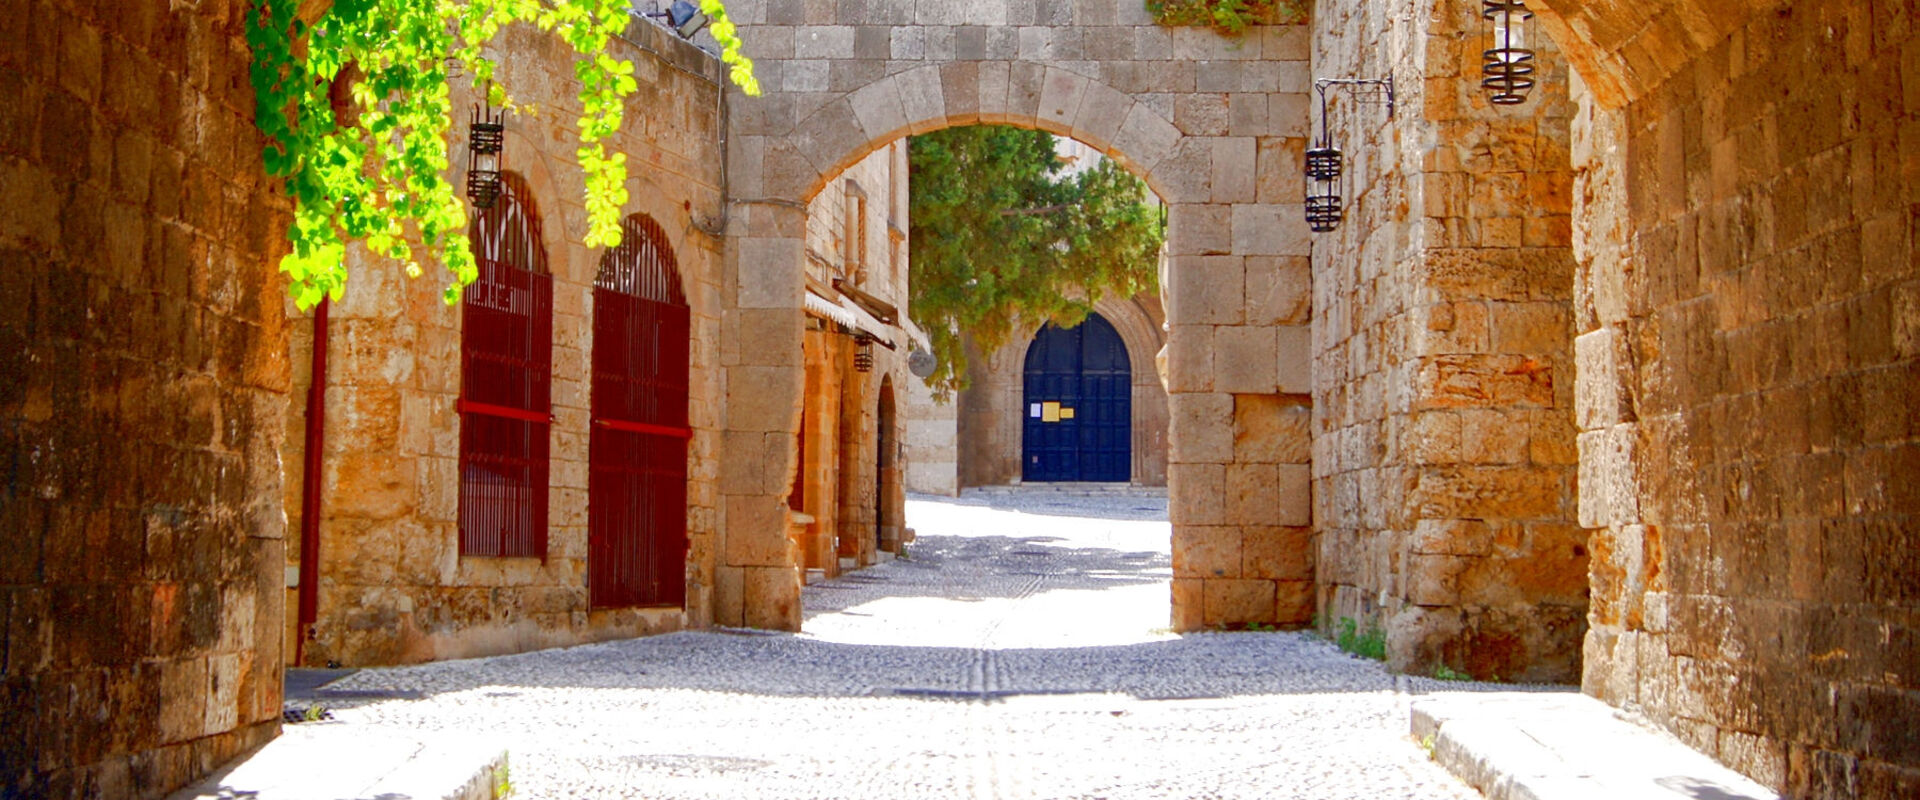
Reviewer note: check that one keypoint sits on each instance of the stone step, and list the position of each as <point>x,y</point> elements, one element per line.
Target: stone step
<point>1567,746</point>
<point>330,760</point>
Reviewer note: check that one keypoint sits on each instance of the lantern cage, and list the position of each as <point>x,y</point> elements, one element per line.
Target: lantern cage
<point>863,353</point>
<point>1325,163</point>
<point>486,139</point>
<point>1507,66</point>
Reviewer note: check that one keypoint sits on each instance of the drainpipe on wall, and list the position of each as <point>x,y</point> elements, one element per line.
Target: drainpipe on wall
<point>309,601</point>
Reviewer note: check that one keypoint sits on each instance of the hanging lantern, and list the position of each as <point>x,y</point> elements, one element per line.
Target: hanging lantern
<point>486,138</point>
<point>863,353</point>
<point>1324,164</point>
<point>1507,64</point>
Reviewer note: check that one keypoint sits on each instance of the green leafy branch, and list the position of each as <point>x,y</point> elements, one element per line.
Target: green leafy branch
<point>1231,17</point>
<point>1000,236</point>
<point>356,108</point>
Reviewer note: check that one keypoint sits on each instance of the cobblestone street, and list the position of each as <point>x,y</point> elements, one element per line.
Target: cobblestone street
<point>1020,651</point>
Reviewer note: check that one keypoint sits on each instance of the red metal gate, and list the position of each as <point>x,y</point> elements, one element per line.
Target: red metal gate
<point>637,453</point>
<point>506,374</point>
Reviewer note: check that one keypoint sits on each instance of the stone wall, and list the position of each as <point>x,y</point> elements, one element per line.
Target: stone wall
<point>1748,311</point>
<point>992,410</point>
<point>143,378</point>
<point>1444,448</point>
<point>855,232</point>
<point>394,587</point>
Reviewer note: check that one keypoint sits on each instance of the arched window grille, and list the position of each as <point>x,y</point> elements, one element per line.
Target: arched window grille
<point>637,481</point>
<point>506,392</point>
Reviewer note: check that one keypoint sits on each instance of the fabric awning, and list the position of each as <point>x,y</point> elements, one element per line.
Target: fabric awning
<point>851,316</point>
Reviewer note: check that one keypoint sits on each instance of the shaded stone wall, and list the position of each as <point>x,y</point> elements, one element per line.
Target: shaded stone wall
<point>851,228</point>
<point>1443,450</point>
<point>143,378</point>
<point>992,410</point>
<point>1201,118</point>
<point>1748,311</point>
<point>394,587</point>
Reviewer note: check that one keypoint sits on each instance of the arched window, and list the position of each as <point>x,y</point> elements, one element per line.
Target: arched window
<point>506,382</point>
<point>637,479</point>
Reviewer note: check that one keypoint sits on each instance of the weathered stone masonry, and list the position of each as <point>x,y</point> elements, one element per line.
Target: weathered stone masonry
<point>143,380</point>
<point>1748,317</point>
<point>1443,436</point>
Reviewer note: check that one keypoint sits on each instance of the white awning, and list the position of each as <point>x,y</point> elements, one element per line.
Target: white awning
<point>851,316</point>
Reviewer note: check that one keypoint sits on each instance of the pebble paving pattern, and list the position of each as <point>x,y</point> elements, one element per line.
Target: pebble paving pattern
<point>1019,652</point>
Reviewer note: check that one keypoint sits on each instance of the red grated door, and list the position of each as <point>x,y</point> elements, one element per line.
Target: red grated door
<point>637,453</point>
<point>506,374</point>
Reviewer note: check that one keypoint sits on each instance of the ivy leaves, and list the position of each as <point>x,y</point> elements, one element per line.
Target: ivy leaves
<point>1000,236</point>
<point>356,109</point>
<point>1231,17</point>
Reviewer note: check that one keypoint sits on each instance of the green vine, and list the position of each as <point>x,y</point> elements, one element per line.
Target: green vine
<point>1231,17</point>
<point>356,107</point>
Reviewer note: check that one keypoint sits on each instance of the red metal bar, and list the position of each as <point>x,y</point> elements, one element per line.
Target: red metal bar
<point>308,604</point>
<point>646,428</point>
<point>491,410</point>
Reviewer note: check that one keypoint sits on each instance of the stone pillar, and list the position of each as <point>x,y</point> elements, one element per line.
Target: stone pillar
<point>759,577</point>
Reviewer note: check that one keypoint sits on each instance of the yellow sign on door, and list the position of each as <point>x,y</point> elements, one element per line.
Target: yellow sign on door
<point>1066,413</point>
<point>1050,411</point>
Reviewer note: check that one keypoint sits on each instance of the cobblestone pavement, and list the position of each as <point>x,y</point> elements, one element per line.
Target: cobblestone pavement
<point>1019,652</point>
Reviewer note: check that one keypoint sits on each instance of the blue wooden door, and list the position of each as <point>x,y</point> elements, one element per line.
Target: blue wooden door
<point>1078,405</point>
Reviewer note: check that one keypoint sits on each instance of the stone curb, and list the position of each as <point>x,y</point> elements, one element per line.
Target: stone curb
<point>1566,746</point>
<point>327,761</point>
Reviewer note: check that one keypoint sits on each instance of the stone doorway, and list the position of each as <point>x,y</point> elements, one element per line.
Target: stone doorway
<point>1078,411</point>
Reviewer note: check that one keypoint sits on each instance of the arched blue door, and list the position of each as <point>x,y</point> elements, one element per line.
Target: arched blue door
<point>1079,405</point>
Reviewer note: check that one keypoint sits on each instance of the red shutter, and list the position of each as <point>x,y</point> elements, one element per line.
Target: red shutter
<point>506,394</point>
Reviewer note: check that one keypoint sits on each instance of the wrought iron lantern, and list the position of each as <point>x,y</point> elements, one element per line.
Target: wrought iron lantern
<point>1324,164</point>
<point>1507,64</point>
<point>486,138</point>
<point>863,353</point>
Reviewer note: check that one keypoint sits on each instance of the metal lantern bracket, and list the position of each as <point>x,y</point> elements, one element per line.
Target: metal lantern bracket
<point>1324,162</point>
<point>486,139</point>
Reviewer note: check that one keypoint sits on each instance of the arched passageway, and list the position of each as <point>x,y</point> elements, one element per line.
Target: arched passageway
<point>842,85</point>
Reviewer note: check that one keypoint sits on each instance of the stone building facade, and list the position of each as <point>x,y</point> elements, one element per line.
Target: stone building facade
<point>395,582</point>
<point>1444,456</point>
<point>143,382</point>
<point>848,494</point>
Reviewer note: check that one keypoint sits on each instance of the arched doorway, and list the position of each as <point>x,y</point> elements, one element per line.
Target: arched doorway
<point>886,472</point>
<point>637,451</point>
<point>506,374</point>
<point>1078,405</point>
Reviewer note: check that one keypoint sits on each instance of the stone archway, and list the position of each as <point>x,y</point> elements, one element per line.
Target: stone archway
<point>1196,115</point>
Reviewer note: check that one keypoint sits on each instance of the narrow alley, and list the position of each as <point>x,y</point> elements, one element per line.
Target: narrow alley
<point>1021,650</point>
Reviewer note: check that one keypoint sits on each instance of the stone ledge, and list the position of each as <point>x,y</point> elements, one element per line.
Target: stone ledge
<point>326,761</point>
<point>1567,746</point>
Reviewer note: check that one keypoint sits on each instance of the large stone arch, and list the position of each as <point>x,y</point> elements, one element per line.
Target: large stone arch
<point>1195,114</point>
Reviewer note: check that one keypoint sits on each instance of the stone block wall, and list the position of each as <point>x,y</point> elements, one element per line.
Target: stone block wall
<point>1748,311</point>
<point>394,587</point>
<point>1444,458</point>
<point>992,410</point>
<point>143,378</point>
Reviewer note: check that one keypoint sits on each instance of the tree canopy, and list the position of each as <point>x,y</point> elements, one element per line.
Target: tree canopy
<point>377,172</point>
<point>1003,233</point>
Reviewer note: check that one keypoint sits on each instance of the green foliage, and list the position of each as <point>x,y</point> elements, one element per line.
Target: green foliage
<point>356,108</point>
<point>1000,235</point>
<point>1446,673</point>
<point>1231,17</point>
<point>1370,643</point>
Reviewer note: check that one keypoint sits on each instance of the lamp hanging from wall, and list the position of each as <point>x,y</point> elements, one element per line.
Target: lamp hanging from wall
<point>862,353</point>
<point>1507,64</point>
<point>485,140</point>
<point>1325,163</point>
